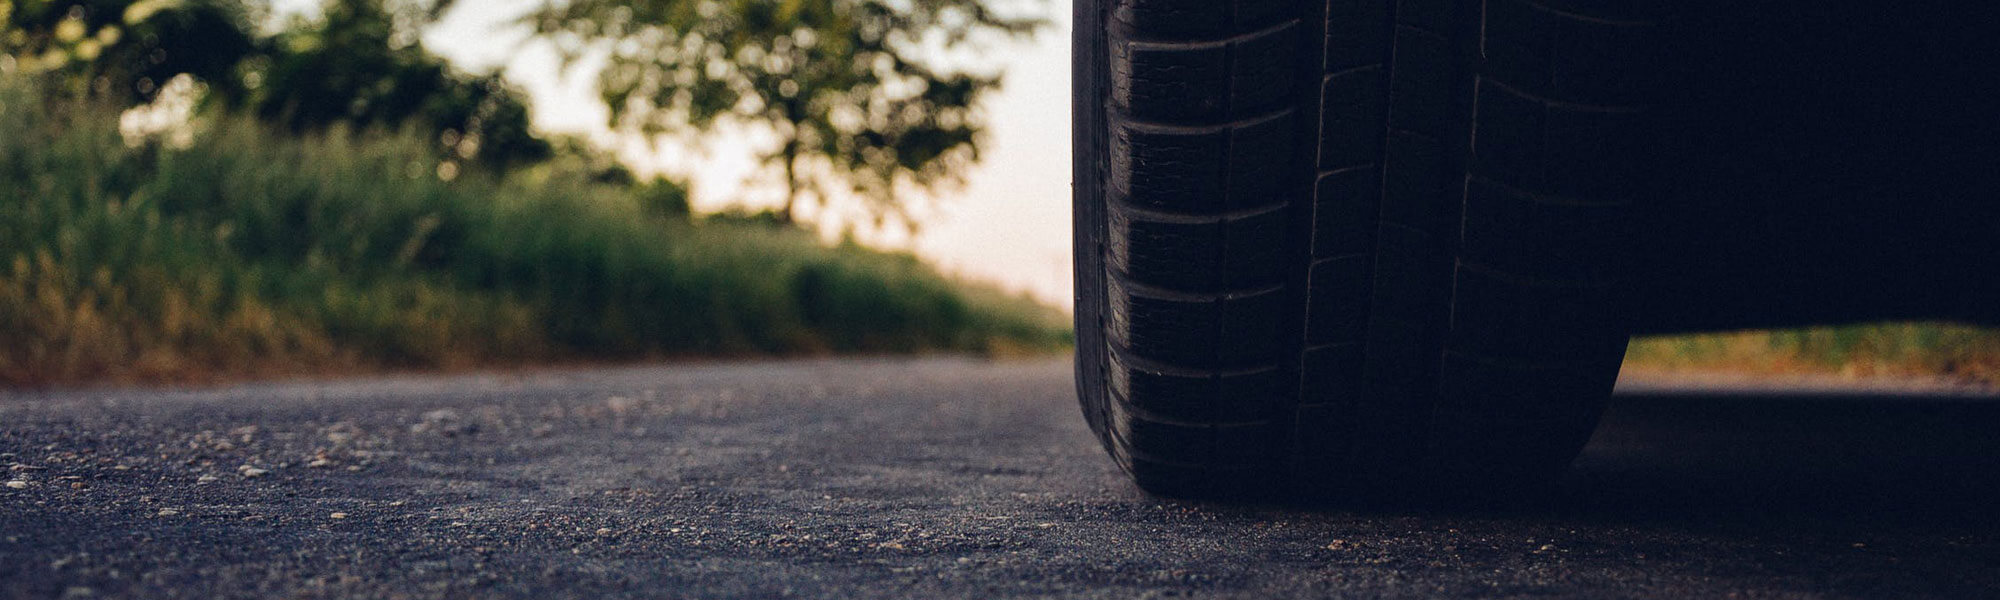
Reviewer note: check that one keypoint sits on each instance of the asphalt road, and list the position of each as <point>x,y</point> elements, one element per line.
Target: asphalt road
<point>936,478</point>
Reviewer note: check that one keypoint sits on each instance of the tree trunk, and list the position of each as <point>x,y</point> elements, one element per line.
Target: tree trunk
<point>794,114</point>
<point>791,154</point>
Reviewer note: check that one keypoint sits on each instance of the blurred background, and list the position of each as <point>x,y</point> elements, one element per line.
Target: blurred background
<point>193,190</point>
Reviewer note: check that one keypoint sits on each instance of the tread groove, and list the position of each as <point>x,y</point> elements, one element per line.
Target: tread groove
<point>1161,127</point>
<point>1152,417</point>
<point>1210,43</point>
<point>1544,199</point>
<point>1580,17</point>
<point>1134,361</point>
<point>1145,290</point>
<point>1350,169</point>
<point>1546,100</point>
<point>1166,216</point>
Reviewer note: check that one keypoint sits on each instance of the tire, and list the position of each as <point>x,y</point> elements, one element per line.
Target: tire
<point>1352,247</point>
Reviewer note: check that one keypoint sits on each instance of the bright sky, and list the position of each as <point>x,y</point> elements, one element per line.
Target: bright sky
<point>1009,225</point>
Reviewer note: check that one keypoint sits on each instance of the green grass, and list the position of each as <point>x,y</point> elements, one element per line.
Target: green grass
<point>245,253</point>
<point>1891,349</point>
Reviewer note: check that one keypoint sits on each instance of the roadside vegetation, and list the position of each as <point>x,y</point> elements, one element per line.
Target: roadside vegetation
<point>229,249</point>
<point>1885,349</point>
<point>199,189</point>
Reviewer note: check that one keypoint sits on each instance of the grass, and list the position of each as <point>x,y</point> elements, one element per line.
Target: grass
<point>238,252</point>
<point>1884,349</point>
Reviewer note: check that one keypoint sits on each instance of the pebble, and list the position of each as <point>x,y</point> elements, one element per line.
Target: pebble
<point>338,515</point>
<point>168,512</point>
<point>17,484</point>
<point>319,462</point>
<point>205,478</point>
<point>254,472</point>
<point>604,531</point>
<point>446,422</point>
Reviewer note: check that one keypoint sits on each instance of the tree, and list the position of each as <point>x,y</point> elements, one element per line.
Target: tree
<point>125,50</point>
<point>855,91</point>
<point>361,64</point>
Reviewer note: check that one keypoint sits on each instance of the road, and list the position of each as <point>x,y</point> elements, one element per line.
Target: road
<point>936,478</point>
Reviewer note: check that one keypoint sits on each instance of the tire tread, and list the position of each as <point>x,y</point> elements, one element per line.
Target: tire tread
<point>1430,289</point>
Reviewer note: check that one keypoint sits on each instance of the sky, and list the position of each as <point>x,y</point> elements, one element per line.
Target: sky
<point>1008,225</point>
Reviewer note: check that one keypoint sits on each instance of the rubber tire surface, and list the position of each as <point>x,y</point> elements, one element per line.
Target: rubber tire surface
<point>1352,246</point>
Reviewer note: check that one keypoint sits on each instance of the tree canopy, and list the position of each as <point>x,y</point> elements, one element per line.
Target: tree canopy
<point>127,49</point>
<point>359,64</point>
<point>856,92</point>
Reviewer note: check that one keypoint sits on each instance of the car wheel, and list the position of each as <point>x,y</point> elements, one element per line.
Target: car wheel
<point>1348,247</point>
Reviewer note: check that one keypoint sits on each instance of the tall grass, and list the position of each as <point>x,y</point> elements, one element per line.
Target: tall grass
<point>244,252</point>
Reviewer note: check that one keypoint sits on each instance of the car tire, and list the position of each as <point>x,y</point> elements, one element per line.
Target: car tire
<point>1351,247</point>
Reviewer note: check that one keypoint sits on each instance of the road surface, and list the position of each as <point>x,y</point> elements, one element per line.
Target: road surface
<point>936,478</point>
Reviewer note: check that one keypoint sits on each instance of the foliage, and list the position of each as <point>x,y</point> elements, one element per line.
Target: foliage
<point>576,155</point>
<point>663,198</point>
<point>250,253</point>
<point>126,49</point>
<point>748,218</point>
<point>357,66</point>
<point>855,90</point>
